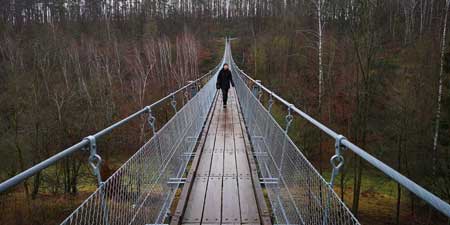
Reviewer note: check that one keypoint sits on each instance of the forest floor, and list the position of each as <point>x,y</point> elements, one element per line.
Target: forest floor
<point>378,201</point>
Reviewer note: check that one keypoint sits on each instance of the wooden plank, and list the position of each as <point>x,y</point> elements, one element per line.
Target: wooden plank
<point>220,140</point>
<point>222,121</point>
<point>221,128</point>
<point>247,200</point>
<point>205,164</point>
<point>194,208</point>
<point>228,117</point>
<point>213,201</point>
<point>187,187</point>
<point>229,163</point>
<point>206,159</point>
<point>249,209</point>
<point>239,138</point>
<point>264,213</point>
<point>230,204</point>
<point>210,138</point>
<point>235,114</point>
<point>230,151</point>
<point>229,196</point>
<point>242,166</point>
<point>241,157</point>
<point>217,164</point>
<point>229,141</point>
<point>239,142</point>
<point>237,129</point>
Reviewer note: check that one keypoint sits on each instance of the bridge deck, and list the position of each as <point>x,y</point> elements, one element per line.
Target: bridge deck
<point>222,186</point>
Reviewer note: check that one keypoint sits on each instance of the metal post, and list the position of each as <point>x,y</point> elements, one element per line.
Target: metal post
<point>269,107</point>
<point>194,88</point>
<point>288,119</point>
<point>95,162</point>
<point>256,89</point>
<point>174,103</point>
<point>94,159</point>
<point>151,120</point>
<point>185,97</point>
<point>337,161</point>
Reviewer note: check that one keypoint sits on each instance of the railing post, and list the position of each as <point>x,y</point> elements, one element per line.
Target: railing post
<point>269,107</point>
<point>95,162</point>
<point>337,161</point>
<point>194,88</point>
<point>151,120</point>
<point>256,89</point>
<point>288,119</point>
<point>174,103</point>
<point>185,97</point>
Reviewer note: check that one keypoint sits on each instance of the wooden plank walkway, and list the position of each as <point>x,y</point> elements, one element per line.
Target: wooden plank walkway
<point>222,185</point>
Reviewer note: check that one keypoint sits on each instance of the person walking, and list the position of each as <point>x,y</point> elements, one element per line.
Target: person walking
<point>223,82</point>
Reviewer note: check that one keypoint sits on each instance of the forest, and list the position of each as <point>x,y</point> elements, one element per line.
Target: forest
<point>377,71</point>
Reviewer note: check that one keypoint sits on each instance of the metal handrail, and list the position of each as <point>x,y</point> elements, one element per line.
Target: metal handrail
<point>13,181</point>
<point>419,191</point>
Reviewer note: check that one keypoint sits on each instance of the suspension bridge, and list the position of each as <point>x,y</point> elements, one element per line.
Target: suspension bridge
<point>211,165</point>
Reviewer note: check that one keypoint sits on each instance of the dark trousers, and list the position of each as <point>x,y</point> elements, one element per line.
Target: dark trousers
<point>225,96</point>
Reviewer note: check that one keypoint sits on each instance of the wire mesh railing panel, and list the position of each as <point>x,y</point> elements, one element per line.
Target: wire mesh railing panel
<point>297,192</point>
<point>141,190</point>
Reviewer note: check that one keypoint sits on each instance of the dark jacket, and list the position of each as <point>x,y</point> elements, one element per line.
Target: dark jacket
<point>224,79</point>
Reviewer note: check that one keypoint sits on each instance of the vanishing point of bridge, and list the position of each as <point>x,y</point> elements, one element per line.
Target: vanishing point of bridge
<point>210,165</point>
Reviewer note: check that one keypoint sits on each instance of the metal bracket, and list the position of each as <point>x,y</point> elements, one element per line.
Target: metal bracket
<point>194,88</point>
<point>269,107</point>
<point>186,96</point>
<point>337,160</point>
<point>95,160</point>
<point>151,119</point>
<point>256,89</point>
<point>174,103</point>
<point>288,118</point>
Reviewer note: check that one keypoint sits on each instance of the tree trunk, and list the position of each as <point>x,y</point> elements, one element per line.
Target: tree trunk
<point>320,75</point>
<point>439,98</point>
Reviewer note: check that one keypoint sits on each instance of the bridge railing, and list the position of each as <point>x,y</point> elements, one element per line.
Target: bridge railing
<point>274,144</point>
<point>141,190</point>
<point>192,87</point>
<point>297,192</point>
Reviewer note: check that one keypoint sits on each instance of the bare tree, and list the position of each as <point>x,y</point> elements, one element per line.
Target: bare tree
<point>440,84</point>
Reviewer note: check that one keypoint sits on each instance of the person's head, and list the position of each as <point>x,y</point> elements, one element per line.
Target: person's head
<point>225,66</point>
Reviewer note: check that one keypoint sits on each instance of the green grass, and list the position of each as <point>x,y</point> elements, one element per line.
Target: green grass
<point>371,182</point>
